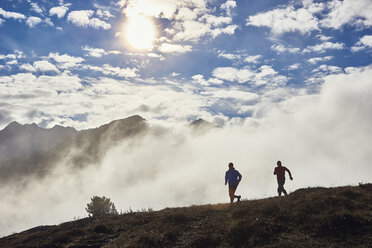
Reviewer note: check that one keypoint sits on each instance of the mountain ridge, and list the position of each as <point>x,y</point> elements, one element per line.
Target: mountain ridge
<point>17,140</point>
<point>88,146</point>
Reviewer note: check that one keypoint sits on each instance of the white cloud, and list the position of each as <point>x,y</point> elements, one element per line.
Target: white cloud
<point>230,30</point>
<point>12,62</point>
<point>1,21</point>
<point>104,14</point>
<point>348,12</point>
<point>66,61</point>
<point>199,79</point>
<point>238,95</point>
<point>357,48</point>
<point>281,49</point>
<point>59,11</point>
<point>294,66</point>
<point>65,58</point>
<point>174,48</point>
<point>216,21</point>
<point>32,21</point>
<point>321,48</point>
<point>155,55</point>
<point>233,74</point>
<point>229,56</point>
<point>49,22</point>
<point>16,55</point>
<point>97,23</point>
<point>192,31</point>
<point>98,52</point>
<point>318,74</point>
<point>364,42</point>
<point>191,20</point>
<point>212,81</point>
<point>27,67</point>
<point>265,71</point>
<point>253,59</point>
<point>175,74</point>
<point>61,83</point>
<point>35,7</point>
<point>319,59</point>
<point>265,75</point>
<point>284,20</point>
<point>8,56</point>
<point>228,6</point>
<point>9,14</point>
<point>83,18</point>
<point>329,69</point>
<point>44,66</point>
<point>115,52</point>
<point>150,8</point>
<point>323,37</point>
<point>186,14</point>
<point>107,69</point>
<point>94,52</point>
<point>335,14</point>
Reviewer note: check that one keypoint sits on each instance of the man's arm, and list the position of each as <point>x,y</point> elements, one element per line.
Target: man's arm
<point>226,178</point>
<point>275,171</point>
<point>289,172</point>
<point>239,177</point>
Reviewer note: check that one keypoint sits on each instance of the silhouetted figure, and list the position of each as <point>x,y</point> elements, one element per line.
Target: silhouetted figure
<point>280,176</point>
<point>233,177</point>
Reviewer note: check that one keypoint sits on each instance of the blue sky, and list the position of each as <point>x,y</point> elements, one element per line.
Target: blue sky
<point>75,63</point>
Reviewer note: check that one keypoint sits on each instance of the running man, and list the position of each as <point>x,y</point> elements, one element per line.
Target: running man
<point>280,176</point>
<point>233,177</point>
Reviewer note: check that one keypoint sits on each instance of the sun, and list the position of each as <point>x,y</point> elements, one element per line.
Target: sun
<point>139,32</point>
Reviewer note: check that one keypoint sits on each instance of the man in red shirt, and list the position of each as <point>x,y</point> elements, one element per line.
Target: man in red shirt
<point>280,176</point>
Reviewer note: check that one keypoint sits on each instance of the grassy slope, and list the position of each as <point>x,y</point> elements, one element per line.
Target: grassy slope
<point>313,217</point>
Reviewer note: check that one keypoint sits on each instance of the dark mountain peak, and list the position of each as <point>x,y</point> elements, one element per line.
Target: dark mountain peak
<point>202,124</point>
<point>59,127</point>
<point>199,121</point>
<point>13,125</point>
<point>20,141</point>
<point>130,119</point>
<point>32,125</point>
<point>129,122</point>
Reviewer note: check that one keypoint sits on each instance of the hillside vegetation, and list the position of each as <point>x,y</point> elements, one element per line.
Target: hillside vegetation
<point>312,217</point>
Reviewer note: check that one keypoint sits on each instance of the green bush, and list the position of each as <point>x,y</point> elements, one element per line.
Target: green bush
<point>100,207</point>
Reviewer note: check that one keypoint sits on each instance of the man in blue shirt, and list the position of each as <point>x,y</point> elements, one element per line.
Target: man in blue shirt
<point>233,177</point>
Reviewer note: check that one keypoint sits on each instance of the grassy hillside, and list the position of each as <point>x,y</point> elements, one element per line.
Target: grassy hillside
<point>312,217</point>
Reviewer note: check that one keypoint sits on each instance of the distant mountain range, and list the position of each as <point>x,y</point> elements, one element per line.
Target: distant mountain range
<point>30,150</point>
<point>18,140</point>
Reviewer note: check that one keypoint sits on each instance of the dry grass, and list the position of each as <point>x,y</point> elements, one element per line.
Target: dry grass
<point>312,217</point>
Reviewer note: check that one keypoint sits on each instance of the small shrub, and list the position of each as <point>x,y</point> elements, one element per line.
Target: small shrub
<point>100,206</point>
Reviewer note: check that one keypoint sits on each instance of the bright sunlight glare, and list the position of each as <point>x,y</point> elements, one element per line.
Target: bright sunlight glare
<point>139,32</point>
